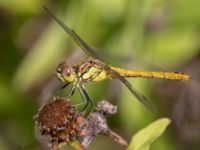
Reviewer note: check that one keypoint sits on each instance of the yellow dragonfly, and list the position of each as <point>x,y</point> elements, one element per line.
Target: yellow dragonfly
<point>94,69</point>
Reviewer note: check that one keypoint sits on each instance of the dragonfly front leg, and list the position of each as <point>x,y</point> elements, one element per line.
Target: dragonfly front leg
<point>59,88</point>
<point>86,97</point>
<point>65,85</point>
<point>71,91</point>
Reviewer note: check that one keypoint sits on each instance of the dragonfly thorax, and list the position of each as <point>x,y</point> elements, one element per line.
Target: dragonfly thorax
<point>65,73</point>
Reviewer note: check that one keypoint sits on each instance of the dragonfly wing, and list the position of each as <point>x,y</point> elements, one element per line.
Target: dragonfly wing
<point>138,95</point>
<point>82,44</point>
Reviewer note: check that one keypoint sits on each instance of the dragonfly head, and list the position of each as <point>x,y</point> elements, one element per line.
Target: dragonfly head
<point>65,73</point>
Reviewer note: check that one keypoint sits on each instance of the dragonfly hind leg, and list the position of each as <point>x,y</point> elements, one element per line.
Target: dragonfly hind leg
<point>86,98</point>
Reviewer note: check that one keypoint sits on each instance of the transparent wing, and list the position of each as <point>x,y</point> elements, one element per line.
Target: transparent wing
<point>91,52</point>
<point>83,45</point>
<point>137,94</point>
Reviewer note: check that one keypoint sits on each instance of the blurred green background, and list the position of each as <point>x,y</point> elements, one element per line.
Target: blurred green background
<point>134,34</point>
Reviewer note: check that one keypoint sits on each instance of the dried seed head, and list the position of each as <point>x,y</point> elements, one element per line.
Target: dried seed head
<point>97,124</point>
<point>106,108</point>
<point>59,120</point>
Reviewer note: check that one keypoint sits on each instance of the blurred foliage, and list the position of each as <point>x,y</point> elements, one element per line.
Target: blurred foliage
<point>127,33</point>
<point>144,138</point>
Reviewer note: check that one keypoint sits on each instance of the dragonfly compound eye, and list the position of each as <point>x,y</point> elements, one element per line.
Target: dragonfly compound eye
<point>60,66</point>
<point>66,70</point>
<point>63,69</point>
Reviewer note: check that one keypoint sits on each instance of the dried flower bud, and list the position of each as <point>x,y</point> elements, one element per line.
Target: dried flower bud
<point>59,120</point>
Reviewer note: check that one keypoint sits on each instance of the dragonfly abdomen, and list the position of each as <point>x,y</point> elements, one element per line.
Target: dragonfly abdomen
<point>152,74</point>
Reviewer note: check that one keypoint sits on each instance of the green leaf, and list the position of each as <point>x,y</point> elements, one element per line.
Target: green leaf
<point>143,139</point>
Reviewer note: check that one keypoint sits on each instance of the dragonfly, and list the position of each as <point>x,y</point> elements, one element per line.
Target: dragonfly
<point>94,69</point>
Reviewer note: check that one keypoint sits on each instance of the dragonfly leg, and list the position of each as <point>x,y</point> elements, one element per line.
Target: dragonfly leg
<point>86,98</point>
<point>75,105</point>
<point>58,89</point>
<point>83,97</point>
<point>65,85</point>
<point>89,99</point>
<point>71,91</point>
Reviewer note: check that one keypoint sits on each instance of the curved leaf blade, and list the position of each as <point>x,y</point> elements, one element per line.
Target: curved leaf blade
<point>143,139</point>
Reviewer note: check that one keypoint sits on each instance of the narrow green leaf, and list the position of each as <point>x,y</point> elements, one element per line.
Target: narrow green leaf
<point>143,139</point>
